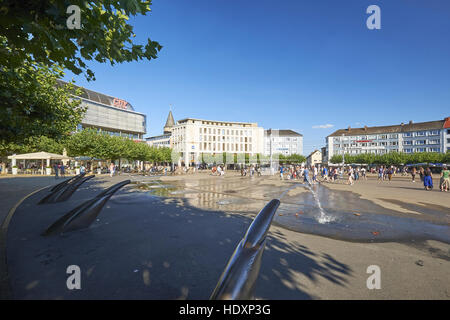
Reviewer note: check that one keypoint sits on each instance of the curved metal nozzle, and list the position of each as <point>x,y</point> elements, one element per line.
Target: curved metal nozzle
<point>65,191</point>
<point>238,279</point>
<point>82,216</point>
<point>62,184</point>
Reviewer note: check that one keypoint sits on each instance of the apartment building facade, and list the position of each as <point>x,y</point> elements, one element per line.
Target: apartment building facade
<point>431,136</point>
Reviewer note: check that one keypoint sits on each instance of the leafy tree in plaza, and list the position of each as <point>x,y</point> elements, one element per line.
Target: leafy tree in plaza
<point>166,154</point>
<point>83,143</point>
<point>33,144</point>
<point>336,159</point>
<point>32,105</point>
<point>37,31</point>
<point>446,157</point>
<point>296,158</point>
<point>36,46</point>
<point>281,158</point>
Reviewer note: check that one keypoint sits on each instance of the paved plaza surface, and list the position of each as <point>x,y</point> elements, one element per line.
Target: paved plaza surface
<point>170,237</point>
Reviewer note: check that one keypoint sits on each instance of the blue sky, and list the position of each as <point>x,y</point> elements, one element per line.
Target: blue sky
<point>310,66</point>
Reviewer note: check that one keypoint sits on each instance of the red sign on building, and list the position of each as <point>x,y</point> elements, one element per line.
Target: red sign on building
<point>119,103</point>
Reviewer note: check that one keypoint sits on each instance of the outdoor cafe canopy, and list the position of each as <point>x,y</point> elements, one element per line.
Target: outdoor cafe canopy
<point>39,156</point>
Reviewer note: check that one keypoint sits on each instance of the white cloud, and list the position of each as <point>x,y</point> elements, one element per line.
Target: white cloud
<point>323,126</point>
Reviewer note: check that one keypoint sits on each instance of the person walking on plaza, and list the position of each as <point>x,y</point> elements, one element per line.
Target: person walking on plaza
<point>314,174</point>
<point>421,173</point>
<point>445,179</point>
<point>63,170</point>
<point>281,172</point>
<point>306,175</point>
<point>413,174</point>
<point>55,168</point>
<point>363,173</point>
<point>389,173</point>
<point>325,174</point>
<point>428,180</point>
<point>380,173</point>
<point>112,168</point>
<point>219,170</point>
<point>335,174</point>
<point>350,176</point>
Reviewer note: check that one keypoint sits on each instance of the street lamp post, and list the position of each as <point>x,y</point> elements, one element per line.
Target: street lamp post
<point>271,168</point>
<point>343,151</point>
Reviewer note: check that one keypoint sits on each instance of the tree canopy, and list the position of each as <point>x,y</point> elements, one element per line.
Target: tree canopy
<point>90,143</point>
<point>37,31</point>
<point>393,158</point>
<point>32,105</point>
<point>36,46</point>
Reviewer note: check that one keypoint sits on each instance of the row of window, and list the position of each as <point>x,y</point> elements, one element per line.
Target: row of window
<point>111,133</point>
<point>227,147</point>
<point>411,150</point>
<point>228,131</point>
<point>227,138</point>
<point>421,142</point>
<point>222,124</point>
<point>421,133</point>
<point>391,136</point>
<point>406,150</point>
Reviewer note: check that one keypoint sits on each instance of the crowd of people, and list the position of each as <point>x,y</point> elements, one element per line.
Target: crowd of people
<point>251,170</point>
<point>426,176</point>
<point>350,174</point>
<point>310,174</point>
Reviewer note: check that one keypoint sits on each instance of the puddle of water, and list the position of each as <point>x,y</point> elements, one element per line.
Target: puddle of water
<point>348,217</point>
<point>316,210</point>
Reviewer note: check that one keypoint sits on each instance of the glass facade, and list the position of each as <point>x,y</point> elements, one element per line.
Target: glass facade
<point>110,115</point>
<point>113,120</point>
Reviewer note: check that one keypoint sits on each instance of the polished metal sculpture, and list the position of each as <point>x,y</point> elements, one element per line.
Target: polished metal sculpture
<point>238,279</point>
<point>82,216</point>
<point>65,182</point>
<point>65,191</point>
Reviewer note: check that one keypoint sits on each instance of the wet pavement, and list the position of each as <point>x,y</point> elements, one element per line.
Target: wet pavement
<point>312,209</point>
<point>161,238</point>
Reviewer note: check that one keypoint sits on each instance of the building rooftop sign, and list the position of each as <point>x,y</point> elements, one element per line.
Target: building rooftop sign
<point>101,98</point>
<point>119,103</point>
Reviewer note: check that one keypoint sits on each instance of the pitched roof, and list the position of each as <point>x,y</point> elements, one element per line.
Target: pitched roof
<point>169,122</point>
<point>283,132</point>
<point>430,125</point>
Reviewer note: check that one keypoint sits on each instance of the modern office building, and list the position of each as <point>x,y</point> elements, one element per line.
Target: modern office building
<point>111,115</point>
<point>285,142</point>
<point>194,137</point>
<point>431,136</point>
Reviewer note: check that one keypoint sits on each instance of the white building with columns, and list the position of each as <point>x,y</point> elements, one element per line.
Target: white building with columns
<point>193,137</point>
